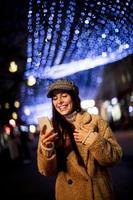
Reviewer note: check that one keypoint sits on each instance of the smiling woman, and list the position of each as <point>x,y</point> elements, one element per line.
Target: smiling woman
<point>62,102</point>
<point>78,149</point>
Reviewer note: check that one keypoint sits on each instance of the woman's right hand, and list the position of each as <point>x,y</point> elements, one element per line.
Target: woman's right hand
<point>47,137</point>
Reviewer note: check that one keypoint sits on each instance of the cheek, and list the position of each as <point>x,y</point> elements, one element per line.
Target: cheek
<point>71,106</point>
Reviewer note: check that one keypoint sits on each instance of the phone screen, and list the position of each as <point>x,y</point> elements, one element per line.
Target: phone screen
<point>45,121</point>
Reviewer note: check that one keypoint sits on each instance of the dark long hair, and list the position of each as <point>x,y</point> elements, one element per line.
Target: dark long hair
<point>62,126</point>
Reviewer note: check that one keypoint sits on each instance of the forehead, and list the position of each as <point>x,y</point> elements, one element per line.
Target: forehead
<point>56,92</point>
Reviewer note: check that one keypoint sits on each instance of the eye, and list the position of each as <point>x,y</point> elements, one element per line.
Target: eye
<point>64,95</point>
<point>54,98</point>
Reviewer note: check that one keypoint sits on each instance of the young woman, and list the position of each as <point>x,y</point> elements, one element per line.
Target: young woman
<point>78,150</point>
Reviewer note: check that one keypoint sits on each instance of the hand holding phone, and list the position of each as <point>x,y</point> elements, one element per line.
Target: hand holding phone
<point>45,121</point>
<point>48,135</point>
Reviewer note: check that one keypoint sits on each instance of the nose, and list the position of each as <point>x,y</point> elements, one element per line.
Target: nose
<point>59,100</point>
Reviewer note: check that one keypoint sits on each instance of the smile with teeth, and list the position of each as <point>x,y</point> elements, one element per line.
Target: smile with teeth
<point>63,107</point>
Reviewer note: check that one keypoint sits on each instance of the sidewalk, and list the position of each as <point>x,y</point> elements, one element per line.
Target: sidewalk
<point>125,139</point>
<point>122,174</point>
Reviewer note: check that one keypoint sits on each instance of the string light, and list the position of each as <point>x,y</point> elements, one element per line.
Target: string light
<point>61,32</point>
<point>66,37</point>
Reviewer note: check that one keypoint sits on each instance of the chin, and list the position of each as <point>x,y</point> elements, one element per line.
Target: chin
<point>63,113</point>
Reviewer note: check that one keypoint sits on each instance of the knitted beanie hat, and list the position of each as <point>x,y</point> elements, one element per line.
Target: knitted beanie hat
<point>62,84</point>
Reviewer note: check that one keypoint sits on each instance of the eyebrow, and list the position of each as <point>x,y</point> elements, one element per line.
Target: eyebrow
<point>62,93</point>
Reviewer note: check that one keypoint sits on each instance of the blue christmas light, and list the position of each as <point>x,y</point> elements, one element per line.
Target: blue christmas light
<point>69,37</point>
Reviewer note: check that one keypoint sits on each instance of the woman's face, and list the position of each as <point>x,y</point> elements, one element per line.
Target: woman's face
<point>62,102</point>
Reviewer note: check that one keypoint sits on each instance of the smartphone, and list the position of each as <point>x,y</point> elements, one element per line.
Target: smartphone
<point>45,121</point>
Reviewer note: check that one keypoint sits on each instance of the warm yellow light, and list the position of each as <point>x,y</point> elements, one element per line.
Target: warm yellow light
<point>32,128</point>
<point>16,104</point>
<point>31,80</point>
<point>13,67</point>
<point>14,115</point>
<point>7,105</point>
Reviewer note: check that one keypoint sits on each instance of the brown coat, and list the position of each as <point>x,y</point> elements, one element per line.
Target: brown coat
<point>78,183</point>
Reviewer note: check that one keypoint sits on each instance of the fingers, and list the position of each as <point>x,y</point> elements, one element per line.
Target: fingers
<point>77,136</point>
<point>48,137</point>
<point>77,139</point>
<point>44,130</point>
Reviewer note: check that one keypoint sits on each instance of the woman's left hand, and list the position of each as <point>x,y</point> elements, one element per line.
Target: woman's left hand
<point>80,134</point>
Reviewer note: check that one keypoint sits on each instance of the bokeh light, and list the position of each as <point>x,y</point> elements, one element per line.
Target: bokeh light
<point>74,39</point>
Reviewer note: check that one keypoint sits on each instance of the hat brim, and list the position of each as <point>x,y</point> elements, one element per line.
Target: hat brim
<point>51,93</point>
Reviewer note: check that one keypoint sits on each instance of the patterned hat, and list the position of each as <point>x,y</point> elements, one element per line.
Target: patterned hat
<point>62,84</point>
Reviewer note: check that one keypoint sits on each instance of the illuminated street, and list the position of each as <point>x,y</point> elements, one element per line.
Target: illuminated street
<point>88,42</point>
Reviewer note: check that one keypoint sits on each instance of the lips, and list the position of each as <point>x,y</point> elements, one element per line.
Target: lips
<point>62,107</point>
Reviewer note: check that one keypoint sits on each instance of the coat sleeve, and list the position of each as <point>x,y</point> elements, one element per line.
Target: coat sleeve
<point>46,166</point>
<point>105,148</point>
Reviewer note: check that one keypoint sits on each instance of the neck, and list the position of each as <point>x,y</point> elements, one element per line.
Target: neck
<point>71,117</point>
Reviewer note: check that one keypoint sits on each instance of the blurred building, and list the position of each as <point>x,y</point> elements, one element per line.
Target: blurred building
<point>115,95</point>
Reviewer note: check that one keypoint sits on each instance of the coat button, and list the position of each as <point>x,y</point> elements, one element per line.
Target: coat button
<point>69,181</point>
